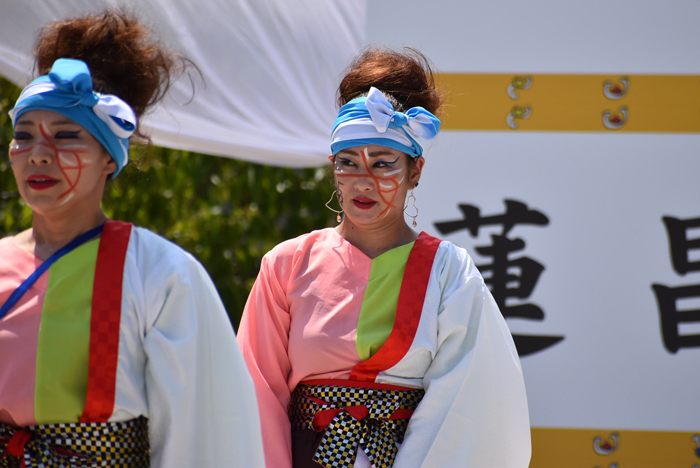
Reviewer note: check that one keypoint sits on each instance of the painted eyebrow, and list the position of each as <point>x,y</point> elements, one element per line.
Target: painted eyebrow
<point>392,162</point>
<point>28,122</point>
<point>373,154</point>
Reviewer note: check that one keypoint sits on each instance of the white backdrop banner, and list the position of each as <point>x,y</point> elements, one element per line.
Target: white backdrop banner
<point>270,68</point>
<point>585,224</point>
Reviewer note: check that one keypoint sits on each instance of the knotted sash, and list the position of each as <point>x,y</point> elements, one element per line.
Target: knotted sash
<point>114,444</point>
<point>353,415</point>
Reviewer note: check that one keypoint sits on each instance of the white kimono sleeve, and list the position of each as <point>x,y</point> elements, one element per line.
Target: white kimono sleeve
<point>474,413</point>
<point>201,402</point>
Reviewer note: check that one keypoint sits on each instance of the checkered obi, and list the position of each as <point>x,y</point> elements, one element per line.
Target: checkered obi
<point>115,444</point>
<point>371,416</point>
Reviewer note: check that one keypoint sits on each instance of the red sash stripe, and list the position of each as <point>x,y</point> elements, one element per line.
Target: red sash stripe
<point>355,384</point>
<point>105,322</point>
<point>408,311</point>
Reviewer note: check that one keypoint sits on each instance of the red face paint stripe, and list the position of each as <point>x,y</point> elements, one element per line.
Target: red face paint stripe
<point>408,311</point>
<point>377,180</point>
<point>105,321</point>
<point>79,166</point>
<point>15,152</point>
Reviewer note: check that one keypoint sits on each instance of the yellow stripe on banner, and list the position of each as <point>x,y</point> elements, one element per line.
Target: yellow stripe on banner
<point>605,448</point>
<point>572,103</point>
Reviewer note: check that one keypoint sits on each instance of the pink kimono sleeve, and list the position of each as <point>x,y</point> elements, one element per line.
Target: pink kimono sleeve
<point>263,338</point>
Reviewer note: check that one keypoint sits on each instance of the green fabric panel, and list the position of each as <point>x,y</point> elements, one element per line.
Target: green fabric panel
<point>378,310</point>
<point>64,338</point>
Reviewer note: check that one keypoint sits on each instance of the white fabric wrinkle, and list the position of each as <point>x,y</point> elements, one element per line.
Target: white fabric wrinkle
<point>256,56</point>
<point>466,380</point>
<point>196,389</point>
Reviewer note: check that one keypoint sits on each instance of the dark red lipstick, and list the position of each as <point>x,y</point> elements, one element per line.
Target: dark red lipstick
<point>364,203</point>
<point>41,181</point>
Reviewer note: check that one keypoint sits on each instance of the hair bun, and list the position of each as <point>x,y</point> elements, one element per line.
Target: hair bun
<point>123,57</point>
<point>404,76</point>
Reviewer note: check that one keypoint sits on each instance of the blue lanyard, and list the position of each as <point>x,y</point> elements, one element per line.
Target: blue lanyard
<point>29,282</point>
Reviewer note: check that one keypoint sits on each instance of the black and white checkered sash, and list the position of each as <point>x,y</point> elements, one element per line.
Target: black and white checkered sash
<point>369,415</point>
<point>114,444</point>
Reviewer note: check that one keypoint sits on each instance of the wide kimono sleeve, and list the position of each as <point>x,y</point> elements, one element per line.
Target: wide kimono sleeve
<point>474,413</point>
<point>201,400</point>
<point>263,336</point>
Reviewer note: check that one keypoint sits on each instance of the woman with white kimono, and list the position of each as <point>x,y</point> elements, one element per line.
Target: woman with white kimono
<point>115,347</point>
<point>371,344</point>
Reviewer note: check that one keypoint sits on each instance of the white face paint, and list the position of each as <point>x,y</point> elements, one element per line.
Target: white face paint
<point>66,199</point>
<point>72,165</point>
<point>67,158</point>
<point>56,162</point>
<point>391,173</point>
<point>338,167</point>
<point>380,171</point>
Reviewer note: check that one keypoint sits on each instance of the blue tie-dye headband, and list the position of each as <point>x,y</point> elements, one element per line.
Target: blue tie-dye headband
<point>372,120</point>
<point>67,90</point>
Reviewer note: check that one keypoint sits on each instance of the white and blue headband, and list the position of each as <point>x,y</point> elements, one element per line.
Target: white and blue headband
<point>67,90</point>
<point>372,120</point>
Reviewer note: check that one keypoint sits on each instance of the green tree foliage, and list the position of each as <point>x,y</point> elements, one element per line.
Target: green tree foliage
<point>225,212</point>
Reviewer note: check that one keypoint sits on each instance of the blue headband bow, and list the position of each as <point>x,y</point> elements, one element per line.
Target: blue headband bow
<point>373,121</point>
<point>67,90</point>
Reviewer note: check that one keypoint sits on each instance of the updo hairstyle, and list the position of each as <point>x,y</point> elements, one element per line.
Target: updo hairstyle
<point>405,76</point>
<point>123,57</point>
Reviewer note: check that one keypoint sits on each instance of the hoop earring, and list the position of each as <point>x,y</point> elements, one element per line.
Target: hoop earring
<point>411,196</point>
<point>337,218</point>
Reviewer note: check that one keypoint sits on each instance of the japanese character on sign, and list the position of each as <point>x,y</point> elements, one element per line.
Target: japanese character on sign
<point>499,272</point>
<point>667,298</point>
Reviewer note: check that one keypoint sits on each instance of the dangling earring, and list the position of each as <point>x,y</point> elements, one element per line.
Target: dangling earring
<point>337,218</point>
<point>414,216</point>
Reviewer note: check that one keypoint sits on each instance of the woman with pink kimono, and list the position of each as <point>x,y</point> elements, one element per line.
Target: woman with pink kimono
<point>371,344</point>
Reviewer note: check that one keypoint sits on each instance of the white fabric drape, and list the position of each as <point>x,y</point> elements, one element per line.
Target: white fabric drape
<point>270,68</point>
